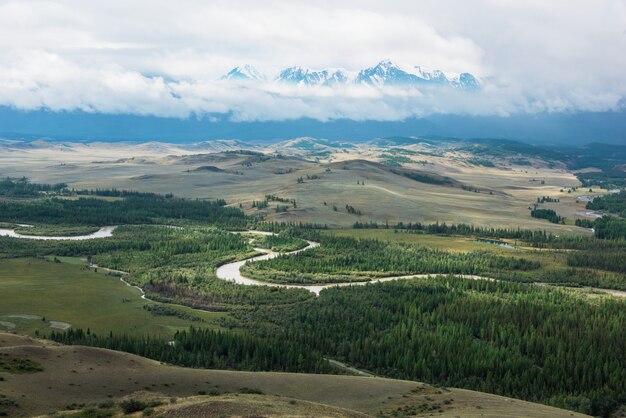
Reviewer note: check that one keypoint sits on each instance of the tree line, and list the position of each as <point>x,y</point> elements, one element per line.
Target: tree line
<point>205,348</point>
<point>548,214</point>
<point>130,210</point>
<point>612,202</point>
<point>341,259</point>
<point>23,188</point>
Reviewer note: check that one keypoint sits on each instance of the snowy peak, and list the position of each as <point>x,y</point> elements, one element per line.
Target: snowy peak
<point>305,76</point>
<point>467,81</point>
<point>435,76</point>
<point>385,73</point>
<point>243,73</point>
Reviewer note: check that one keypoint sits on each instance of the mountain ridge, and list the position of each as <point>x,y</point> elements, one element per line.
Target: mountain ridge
<point>385,73</point>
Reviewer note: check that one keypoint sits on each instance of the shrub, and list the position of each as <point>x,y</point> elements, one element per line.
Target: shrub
<point>132,405</point>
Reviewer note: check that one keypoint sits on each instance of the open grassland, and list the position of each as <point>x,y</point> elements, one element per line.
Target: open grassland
<point>82,378</point>
<point>67,294</point>
<point>448,243</point>
<point>487,196</point>
<point>549,258</point>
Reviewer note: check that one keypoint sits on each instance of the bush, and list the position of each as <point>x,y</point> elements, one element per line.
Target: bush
<point>253,391</point>
<point>132,405</point>
<point>94,413</point>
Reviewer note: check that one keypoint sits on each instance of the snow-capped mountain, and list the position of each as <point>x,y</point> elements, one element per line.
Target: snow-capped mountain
<point>385,73</point>
<point>466,81</point>
<point>305,76</point>
<point>243,73</point>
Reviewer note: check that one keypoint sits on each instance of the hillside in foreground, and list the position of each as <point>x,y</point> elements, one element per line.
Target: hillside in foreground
<point>39,377</point>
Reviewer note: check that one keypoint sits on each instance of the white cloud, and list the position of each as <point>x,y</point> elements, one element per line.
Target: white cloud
<point>163,57</point>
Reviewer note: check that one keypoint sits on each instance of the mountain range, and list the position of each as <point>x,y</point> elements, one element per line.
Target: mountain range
<point>385,73</point>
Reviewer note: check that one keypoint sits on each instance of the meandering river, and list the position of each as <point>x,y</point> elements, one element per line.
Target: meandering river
<point>231,271</point>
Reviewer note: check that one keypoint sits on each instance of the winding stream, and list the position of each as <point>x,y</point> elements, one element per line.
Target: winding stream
<point>231,271</point>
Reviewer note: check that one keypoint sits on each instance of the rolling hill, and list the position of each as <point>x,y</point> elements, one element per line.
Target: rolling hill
<point>70,378</point>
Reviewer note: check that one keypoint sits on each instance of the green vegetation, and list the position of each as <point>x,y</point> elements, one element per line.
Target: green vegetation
<point>36,292</point>
<point>504,338</point>
<point>18,365</point>
<point>115,193</point>
<point>394,160</point>
<point>534,237</point>
<point>282,242</point>
<point>133,405</point>
<point>341,259</point>
<point>139,249</point>
<point>173,265</point>
<point>610,227</point>
<point>131,210</point>
<point>511,339</point>
<point>606,159</point>
<point>165,310</point>
<point>423,177</point>
<point>614,203</point>
<point>209,349</point>
<point>57,230</point>
<point>548,214</point>
<point>481,162</point>
<point>561,258</point>
<point>607,178</point>
<point>584,223</point>
<point>606,260</point>
<point>23,188</point>
<point>560,347</point>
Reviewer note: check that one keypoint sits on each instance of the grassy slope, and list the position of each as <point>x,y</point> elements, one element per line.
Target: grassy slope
<point>72,294</point>
<point>74,374</point>
<point>384,197</point>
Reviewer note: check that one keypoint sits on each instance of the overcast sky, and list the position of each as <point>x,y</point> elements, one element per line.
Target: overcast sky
<point>164,57</point>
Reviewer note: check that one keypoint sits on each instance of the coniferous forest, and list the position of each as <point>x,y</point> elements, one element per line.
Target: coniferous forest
<point>505,335</point>
<point>510,339</point>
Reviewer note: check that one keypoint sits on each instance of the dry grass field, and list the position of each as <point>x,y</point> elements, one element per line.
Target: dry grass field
<point>331,178</point>
<point>75,377</point>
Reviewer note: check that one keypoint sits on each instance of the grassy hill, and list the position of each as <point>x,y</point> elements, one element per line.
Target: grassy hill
<point>487,183</point>
<point>72,378</point>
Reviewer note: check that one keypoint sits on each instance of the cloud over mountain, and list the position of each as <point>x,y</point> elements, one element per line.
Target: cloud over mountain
<point>178,59</point>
